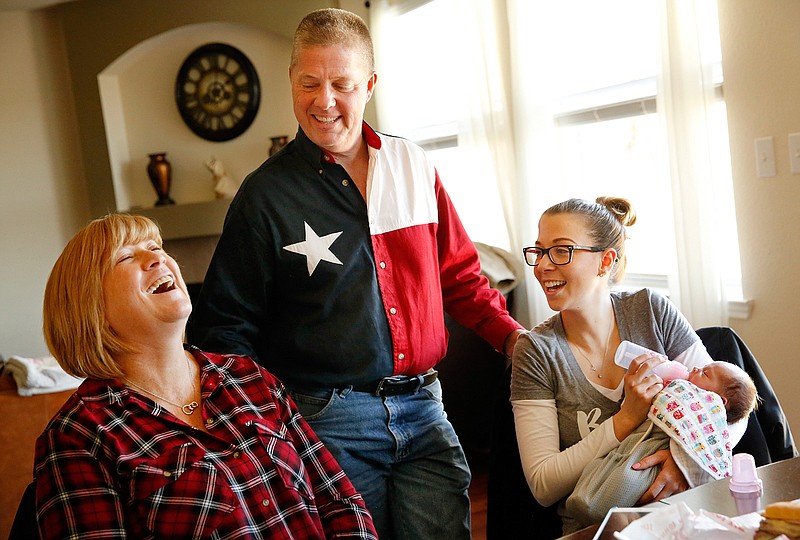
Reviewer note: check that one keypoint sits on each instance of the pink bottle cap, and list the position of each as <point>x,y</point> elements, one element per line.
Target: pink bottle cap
<point>671,370</point>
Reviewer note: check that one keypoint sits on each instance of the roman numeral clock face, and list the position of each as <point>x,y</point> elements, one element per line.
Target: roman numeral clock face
<point>217,92</point>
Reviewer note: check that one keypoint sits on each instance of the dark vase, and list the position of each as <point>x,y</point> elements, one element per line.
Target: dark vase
<point>160,172</point>
<point>277,144</point>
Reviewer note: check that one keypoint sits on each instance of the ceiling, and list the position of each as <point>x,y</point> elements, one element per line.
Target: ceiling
<point>14,5</point>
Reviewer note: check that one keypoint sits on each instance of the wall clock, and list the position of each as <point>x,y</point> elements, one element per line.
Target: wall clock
<point>217,92</point>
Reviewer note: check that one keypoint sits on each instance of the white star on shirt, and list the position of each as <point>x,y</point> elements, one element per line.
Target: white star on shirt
<point>316,248</point>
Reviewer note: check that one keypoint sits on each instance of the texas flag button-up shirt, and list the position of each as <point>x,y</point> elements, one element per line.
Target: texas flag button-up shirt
<point>326,288</point>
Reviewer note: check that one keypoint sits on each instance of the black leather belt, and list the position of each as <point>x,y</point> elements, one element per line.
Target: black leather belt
<point>399,384</point>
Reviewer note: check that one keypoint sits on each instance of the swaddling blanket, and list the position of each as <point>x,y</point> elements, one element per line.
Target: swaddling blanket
<point>687,419</point>
<point>696,419</point>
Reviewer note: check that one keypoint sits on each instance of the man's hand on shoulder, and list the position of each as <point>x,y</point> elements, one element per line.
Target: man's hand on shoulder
<point>511,341</point>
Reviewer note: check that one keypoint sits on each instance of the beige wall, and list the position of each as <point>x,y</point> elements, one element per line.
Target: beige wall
<point>761,62</point>
<point>42,191</point>
<point>98,32</point>
<point>56,173</point>
<point>44,142</point>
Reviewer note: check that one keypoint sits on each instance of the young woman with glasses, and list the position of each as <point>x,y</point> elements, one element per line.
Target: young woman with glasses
<point>571,401</point>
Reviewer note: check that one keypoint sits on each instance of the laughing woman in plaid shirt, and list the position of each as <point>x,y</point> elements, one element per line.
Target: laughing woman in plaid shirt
<point>163,440</point>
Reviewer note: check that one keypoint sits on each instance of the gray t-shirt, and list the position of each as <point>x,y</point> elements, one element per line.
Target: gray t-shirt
<point>545,368</point>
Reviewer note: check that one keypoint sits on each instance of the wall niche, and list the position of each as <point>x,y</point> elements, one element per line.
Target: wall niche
<point>140,118</point>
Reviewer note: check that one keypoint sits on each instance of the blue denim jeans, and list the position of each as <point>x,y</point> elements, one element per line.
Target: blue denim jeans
<point>401,453</point>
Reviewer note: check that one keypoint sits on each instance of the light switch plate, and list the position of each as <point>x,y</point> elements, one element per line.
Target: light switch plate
<point>765,157</point>
<point>794,152</point>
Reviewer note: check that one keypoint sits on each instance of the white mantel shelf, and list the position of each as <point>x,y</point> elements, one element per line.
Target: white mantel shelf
<point>188,220</point>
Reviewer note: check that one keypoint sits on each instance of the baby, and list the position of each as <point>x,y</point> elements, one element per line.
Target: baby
<point>731,383</point>
<point>693,413</point>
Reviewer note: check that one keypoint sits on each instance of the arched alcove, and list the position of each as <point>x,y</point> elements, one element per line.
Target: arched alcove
<point>140,115</point>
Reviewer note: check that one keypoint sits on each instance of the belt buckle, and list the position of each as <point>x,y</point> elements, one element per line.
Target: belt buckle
<point>386,382</point>
<point>387,386</point>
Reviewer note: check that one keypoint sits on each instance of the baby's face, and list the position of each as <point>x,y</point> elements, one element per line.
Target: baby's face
<point>712,377</point>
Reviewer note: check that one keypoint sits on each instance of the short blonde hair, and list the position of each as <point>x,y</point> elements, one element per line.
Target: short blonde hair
<point>75,327</point>
<point>331,26</point>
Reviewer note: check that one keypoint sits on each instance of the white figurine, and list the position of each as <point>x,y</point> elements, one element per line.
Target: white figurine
<point>224,186</point>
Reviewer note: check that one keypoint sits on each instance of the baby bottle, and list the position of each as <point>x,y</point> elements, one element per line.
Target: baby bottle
<point>627,351</point>
<point>668,370</point>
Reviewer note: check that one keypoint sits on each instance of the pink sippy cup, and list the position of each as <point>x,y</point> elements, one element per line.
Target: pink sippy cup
<point>745,485</point>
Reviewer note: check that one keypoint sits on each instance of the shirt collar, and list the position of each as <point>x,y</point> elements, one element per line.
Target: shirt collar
<point>372,138</point>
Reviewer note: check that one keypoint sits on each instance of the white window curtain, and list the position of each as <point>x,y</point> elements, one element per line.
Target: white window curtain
<point>508,118</point>
<point>685,99</point>
<point>489,125</point>
<point>421,101</point>
<point>484,121</point>
<point>536,141</point>
<point>685,95</point>
<point>486,129</point>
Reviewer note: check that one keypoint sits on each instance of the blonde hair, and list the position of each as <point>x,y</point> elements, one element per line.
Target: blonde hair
<point>607,219</point>
<point>74,324</point>
<point>331,26</point>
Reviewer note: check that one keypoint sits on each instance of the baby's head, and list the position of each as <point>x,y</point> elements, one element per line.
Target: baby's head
<point>731,383</point>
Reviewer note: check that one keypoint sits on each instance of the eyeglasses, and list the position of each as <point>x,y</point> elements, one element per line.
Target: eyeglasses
<point>559,255</point>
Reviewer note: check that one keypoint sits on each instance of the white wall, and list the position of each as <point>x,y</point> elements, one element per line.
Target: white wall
<point>42,191</point>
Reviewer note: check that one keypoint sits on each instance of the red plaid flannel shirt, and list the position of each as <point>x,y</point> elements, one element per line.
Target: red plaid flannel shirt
<point>114,464</point>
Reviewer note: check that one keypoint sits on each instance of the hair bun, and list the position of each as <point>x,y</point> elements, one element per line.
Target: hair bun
<point>620,208</point>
